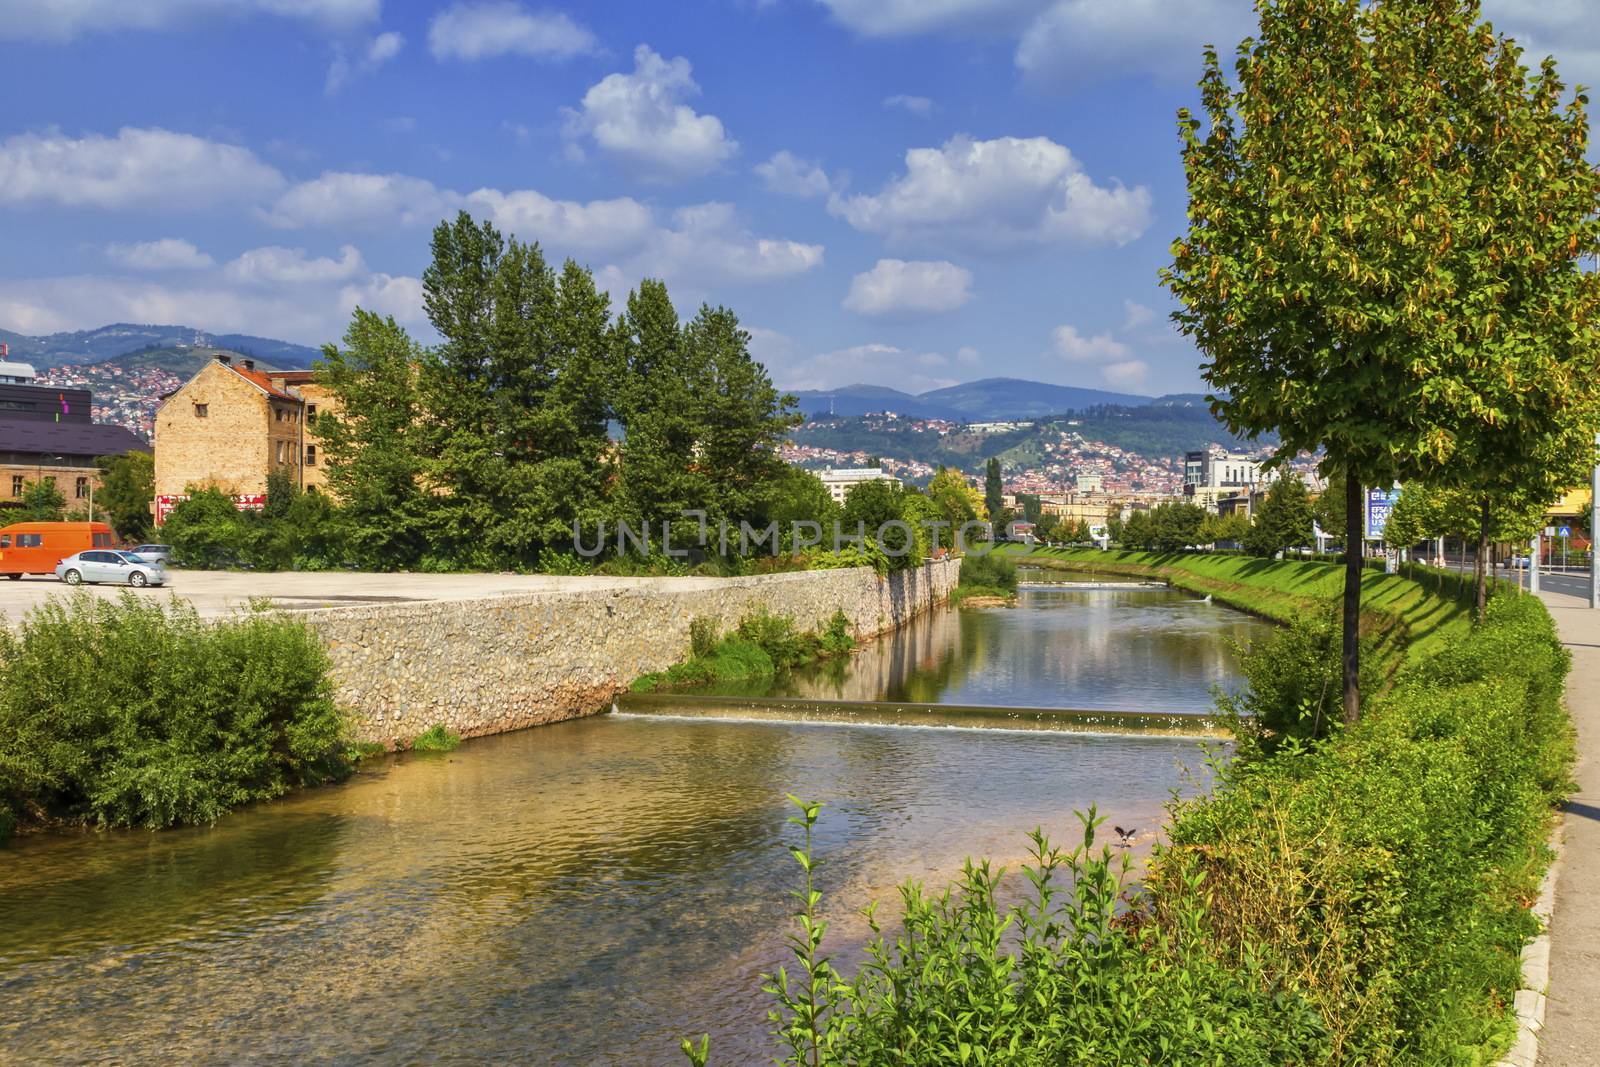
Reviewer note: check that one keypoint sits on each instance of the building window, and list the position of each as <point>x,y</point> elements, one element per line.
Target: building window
<point>311,455</point>
<point>82,489</point>
<point>282,452</point>
<point>16,485</point>
<point>50,480</point>
<point>311,412</point>
<point>201,411</point>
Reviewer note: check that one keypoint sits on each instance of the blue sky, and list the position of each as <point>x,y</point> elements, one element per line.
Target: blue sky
<point>900,192</point>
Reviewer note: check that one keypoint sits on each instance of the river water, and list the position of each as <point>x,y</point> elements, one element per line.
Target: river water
<point>590,891</point>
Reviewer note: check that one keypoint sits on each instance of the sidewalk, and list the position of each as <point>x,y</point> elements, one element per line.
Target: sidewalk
<point>1571,1036</point>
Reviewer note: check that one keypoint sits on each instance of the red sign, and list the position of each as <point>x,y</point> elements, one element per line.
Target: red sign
<point>244,502</point>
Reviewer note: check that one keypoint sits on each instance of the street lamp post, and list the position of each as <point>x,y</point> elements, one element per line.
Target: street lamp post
<point>1594,556</point>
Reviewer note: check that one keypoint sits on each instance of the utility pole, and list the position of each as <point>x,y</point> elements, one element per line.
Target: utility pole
<point>1533,562</point>
<point>1594,557</point>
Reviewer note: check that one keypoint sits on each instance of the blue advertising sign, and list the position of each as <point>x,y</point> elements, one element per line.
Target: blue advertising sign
<point>1380,502</point>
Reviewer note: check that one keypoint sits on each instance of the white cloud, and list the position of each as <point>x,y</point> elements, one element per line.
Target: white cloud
<point>472,31</point>
<point>1081,40</point>
<point>63,20</point>
<point>168,253</point>
<point>705,246</point>
<point>275,265</point>
<point>597,226</point>
<point>378,51</point>
<point>1126,374</point>
<point>340,199</point>
<point>875,363</point>
<point>1074,347</point>
<point>919,106</point>
<point>1136,315</point>
<point>271,291</point>
<point>640,119</point>
<point>1006,193</point>
<point>788,175</point>
<point>138,168</point>
<point>894,18</point>
<point>895,286</point>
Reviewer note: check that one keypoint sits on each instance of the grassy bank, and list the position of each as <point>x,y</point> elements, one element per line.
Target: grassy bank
<point>125,713</point>
<point>986,577</point>
<point>1359,899</point>
<point>751,656</point>
<point>1417,615</point>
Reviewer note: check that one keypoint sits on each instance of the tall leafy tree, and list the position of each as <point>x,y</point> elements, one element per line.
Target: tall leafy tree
<point>1283,521</point>
<point>373,441</point>
<point>994,495</point>
<point>1386,216</point>
<point>127,487</point>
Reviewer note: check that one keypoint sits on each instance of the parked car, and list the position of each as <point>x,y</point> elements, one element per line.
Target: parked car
<point>154,553</point>
<point>106,565</point>
<point>36,547</point>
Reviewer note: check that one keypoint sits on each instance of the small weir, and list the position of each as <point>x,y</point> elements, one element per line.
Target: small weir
<point>912,714</point>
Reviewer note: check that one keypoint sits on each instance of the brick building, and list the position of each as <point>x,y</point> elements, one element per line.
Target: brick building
<point>47,434</point>
<point>231,426</point>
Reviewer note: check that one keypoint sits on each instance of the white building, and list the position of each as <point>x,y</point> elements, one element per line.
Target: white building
<point>16,373</point>
<point>1216,469</point>
<point>842,480</point>
<point>1090,483</point>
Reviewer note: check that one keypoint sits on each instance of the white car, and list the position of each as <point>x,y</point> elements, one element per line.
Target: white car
<point>109,565</point>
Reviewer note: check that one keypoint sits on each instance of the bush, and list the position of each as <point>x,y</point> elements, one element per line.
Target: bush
<point>990,571</point>
<point>437,738</point>
<point>837,640</point>
<point>760,646</point>
<point>128,713</point>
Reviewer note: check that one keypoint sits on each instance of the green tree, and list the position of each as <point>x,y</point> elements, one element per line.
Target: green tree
<point>795,495</point>
<point>957,502</point>
<point>1284,519</point>
<point>372,441</point>
<point>41,502</point>
<point>994,496</point>
<point>127,488</point>
<point>1387,212</point>
<point>1330,508</point>
<point>207,530</point>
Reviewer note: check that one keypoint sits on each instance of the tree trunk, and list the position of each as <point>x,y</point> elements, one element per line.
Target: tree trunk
<point>1482,574</point>
<point>1354,529</point>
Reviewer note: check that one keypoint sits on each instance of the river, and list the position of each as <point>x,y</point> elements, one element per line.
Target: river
<point>590,891</point>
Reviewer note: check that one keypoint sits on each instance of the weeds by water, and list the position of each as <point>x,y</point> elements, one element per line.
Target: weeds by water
<point>437,738</point>
<point>759,648</point>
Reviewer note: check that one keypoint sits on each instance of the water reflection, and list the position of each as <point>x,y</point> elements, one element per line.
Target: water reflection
<point>1130,649</point>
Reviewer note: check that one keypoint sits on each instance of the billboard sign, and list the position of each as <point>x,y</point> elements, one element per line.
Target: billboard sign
<point>1380,502</point>
<point>166,502</point>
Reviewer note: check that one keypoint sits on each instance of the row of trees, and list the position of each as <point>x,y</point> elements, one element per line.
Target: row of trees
<point>1387,215</point>
<point>1283,521</point>
<point>541,410</point>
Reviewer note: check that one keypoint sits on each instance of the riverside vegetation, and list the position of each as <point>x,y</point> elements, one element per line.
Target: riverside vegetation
<point>987,576</point>
<point>1345,895</point>
<point>752,655</point>
<point>128,713</point>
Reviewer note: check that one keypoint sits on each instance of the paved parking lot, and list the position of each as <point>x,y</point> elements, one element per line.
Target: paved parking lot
<point>221,592</point>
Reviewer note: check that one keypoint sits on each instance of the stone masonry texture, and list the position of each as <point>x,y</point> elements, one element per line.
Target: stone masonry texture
<point>489,665</point>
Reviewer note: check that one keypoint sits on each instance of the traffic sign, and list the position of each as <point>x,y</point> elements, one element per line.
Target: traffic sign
<point>1563,531</point>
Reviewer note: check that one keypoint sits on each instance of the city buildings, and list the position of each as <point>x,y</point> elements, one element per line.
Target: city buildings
<point>230,427</point>
<point>48,434</point>
<point>841,481</point>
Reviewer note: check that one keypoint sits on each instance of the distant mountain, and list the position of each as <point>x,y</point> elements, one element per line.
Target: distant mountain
<point>988,400</point>
<point>185,362</point>
<point>106,342</point>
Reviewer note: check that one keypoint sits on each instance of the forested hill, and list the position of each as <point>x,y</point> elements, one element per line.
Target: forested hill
<point>1163,429</point>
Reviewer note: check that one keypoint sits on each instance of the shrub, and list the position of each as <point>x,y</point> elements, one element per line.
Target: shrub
<point>437,738</point>
<point>704,634</point>
<point>129,713</point>
<point>990,571</point>
<point>837,640</point>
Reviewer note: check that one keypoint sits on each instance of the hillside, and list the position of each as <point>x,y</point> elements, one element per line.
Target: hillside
<point>108,342</point>
<point>987,400</point>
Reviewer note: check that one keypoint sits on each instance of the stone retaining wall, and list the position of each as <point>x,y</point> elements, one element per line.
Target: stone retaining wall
<point>501,663</point>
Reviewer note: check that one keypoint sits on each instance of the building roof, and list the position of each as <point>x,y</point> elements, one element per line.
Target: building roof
<point>260,380</point>
<point>67,439</point>
<point>11,369</point>
<point>294,377</point>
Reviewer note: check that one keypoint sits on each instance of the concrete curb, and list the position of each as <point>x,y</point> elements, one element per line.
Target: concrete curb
<point>1531,998</point>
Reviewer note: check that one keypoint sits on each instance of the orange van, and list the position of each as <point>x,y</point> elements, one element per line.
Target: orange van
<point>36,547</point>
